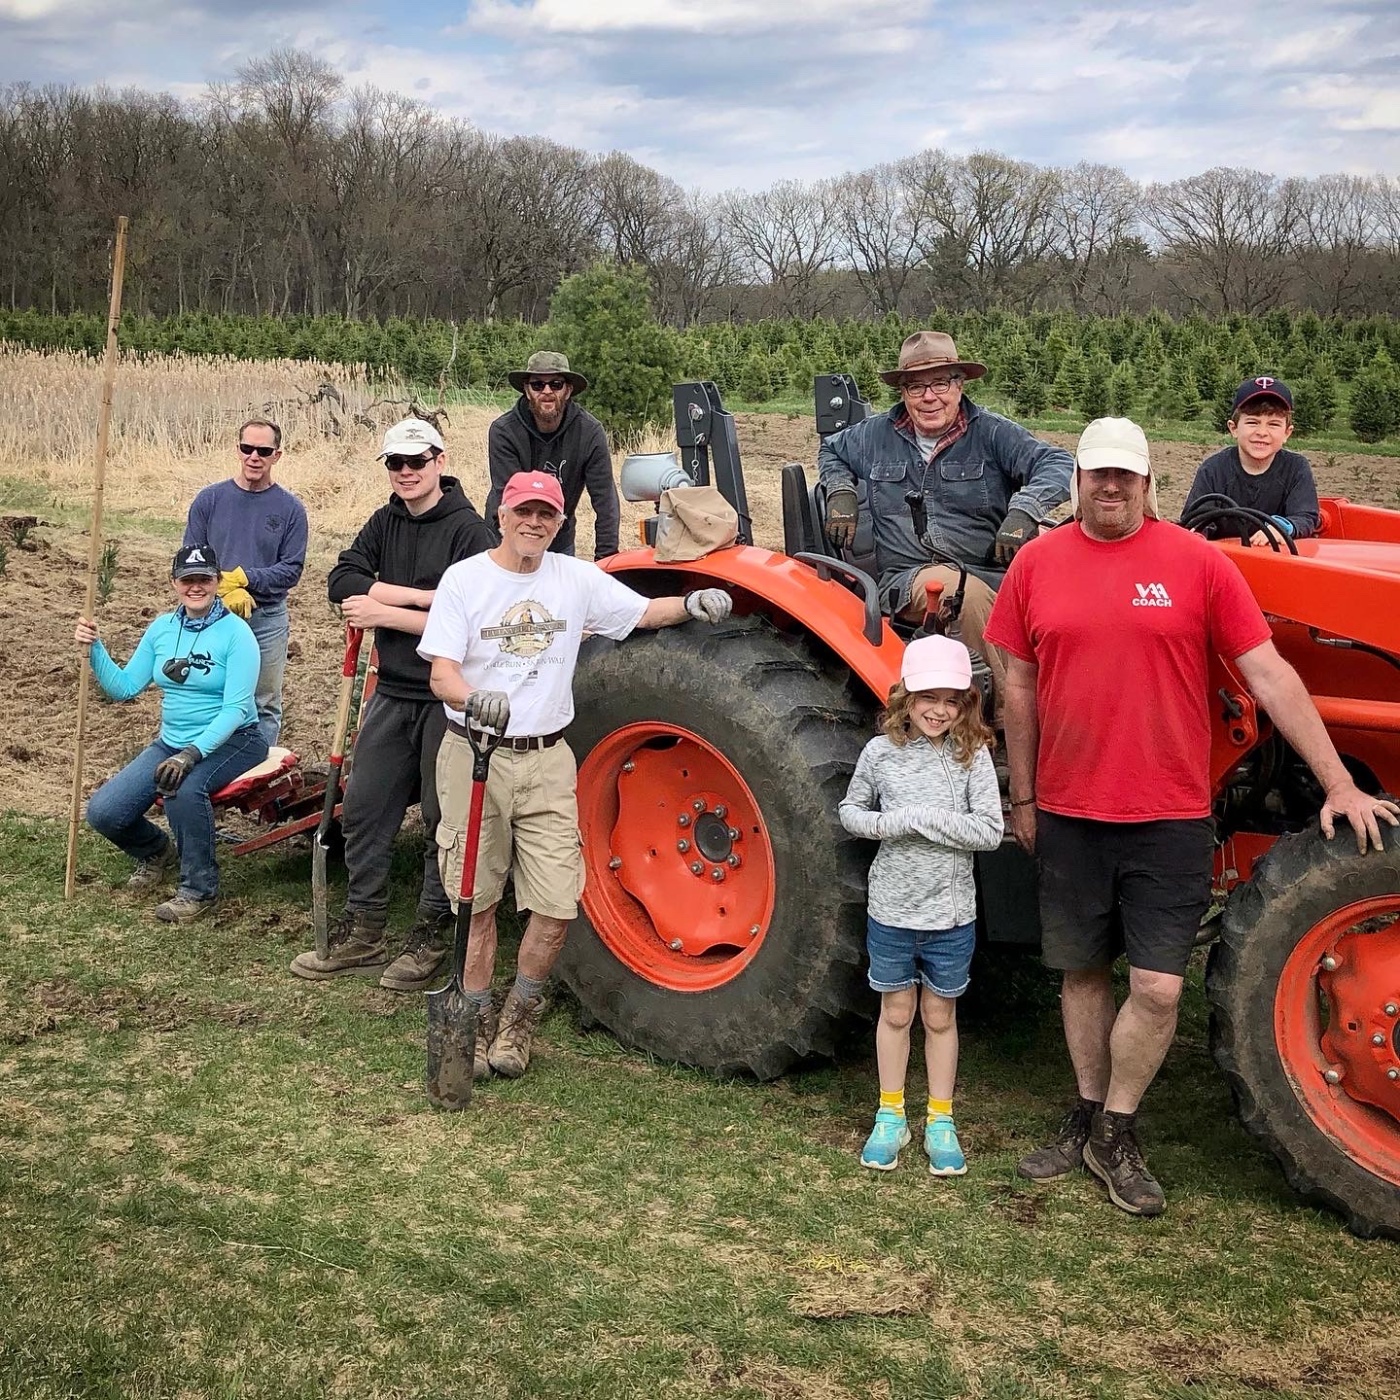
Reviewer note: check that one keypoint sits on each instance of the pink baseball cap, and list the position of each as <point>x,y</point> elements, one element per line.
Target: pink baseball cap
<point>533,486</point>
<point>936,663</point>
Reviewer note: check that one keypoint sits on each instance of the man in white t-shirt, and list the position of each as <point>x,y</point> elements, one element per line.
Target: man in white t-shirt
<point>503,636</point>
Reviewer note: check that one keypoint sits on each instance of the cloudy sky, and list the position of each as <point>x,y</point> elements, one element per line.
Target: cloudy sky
<point>725,93</point>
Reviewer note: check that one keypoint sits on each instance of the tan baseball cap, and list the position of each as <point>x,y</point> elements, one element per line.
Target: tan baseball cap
<point>1114,443</point>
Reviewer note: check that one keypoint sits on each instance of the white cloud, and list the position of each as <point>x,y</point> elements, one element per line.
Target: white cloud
<point>537,17</point>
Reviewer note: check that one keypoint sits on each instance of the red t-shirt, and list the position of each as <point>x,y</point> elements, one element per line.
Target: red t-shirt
<point>1121,633</point>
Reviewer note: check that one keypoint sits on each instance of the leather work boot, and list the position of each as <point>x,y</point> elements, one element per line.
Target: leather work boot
<point>356,945</point>
<point>487,1024</point>
<point>152,872</point>
<point>183,909</point>
<point>1066,1153</point>
<point>1112,1154</point>
<point>424,952</point>
<point>510,1049</point>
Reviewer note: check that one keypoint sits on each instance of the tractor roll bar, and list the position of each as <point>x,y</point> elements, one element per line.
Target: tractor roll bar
<point>707,440</point>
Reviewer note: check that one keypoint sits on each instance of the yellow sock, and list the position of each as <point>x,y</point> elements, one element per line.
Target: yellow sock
<point>894,1101</point>
<point>940,1106</point>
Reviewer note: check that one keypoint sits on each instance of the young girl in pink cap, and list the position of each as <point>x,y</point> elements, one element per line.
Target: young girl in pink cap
<point>925,789</point>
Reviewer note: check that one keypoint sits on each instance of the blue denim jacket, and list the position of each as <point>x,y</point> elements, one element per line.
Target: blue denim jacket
<point>968,488</point>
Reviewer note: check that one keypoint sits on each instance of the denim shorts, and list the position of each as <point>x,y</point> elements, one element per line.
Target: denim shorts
<point>904,957</point>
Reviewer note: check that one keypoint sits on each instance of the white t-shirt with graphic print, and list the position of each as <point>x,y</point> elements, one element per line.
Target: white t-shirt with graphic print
<point>520,633</point>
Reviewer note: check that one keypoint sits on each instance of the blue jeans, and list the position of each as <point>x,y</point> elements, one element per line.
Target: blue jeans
<point>271,627</point>
<point>904,957</point>
<point>117,810</point>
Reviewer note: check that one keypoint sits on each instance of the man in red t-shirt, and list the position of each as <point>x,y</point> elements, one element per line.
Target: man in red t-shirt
<point>1109,623</point>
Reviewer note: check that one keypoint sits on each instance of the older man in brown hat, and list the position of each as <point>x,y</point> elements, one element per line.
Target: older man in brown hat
<point>984,483</point>
<point>547,431</point>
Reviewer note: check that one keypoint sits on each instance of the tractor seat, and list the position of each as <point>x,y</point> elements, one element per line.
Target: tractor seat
<point>277,762</point>
<point>804,522</point>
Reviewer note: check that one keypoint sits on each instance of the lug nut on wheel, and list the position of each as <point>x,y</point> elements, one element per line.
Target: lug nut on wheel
<point>721,812</point>
<point>629,767</point>
<point>699,804</point>
<point>1333,1076</point>
<point>1330,964</point>
<point>1378,1039</point>
<point>674,945</point>
<point>1392,1074</point>
<point>615,863</point>
<point>683,819</point>
<point>696,868</point>
<point>1391,1009</point>
<point>717,873</point>
<point>682,845</point>
<point>732,861</point>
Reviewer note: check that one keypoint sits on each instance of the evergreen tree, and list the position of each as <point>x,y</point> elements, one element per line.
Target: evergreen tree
<point>602,319</point>
<point>1123,390</point>
<point>867,376</point>
<point>1372,415</point>
<point>1095,397</point>
<point>1031,397</point>
<point>1068,387</point>
<point>755,382</point>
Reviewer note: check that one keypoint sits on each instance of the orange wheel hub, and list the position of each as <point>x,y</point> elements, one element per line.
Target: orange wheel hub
<point>680,869</point>
<point>1337,1029</point>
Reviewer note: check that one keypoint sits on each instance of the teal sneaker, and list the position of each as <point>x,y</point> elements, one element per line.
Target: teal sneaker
<point>945,1154</point>
<point>887,1138</point>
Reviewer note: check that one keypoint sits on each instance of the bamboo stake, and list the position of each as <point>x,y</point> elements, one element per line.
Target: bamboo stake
<point>99,470</point>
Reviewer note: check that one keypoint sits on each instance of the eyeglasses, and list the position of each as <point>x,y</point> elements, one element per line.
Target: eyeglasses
<point>409,464</point>
<point>937,386</point>
<point>538,386</point>
<point>249,449</point>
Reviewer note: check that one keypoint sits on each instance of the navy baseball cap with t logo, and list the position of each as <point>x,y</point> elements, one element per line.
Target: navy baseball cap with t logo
<point>195,561</point>
<point>1264,387</point>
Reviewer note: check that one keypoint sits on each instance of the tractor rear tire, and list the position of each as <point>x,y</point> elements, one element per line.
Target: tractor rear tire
<point>1267,1030</point>
<point>788,725</point>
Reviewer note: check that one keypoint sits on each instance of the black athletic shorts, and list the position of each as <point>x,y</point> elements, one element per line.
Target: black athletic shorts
<point>1140,888</point>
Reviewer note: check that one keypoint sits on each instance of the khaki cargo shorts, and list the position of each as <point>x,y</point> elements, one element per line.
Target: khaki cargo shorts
<point>530,821</point>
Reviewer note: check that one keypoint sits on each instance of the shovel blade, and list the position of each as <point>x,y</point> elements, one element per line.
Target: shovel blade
<point>451,1048</point>
<point>318,898</point>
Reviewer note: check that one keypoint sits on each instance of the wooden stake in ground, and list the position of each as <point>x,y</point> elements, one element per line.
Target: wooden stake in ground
<point>99,470</point>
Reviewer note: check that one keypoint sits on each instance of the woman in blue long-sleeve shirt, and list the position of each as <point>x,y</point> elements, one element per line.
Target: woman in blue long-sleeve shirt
<point>205,662</point>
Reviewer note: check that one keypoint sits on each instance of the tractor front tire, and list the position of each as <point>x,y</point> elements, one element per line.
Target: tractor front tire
<point>770,730</point>
<point>1304,990</point>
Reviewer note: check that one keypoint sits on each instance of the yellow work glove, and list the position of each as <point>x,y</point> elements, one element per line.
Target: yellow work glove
<point>240,601</point>
<point>233,591</point>
<point>234,578</point>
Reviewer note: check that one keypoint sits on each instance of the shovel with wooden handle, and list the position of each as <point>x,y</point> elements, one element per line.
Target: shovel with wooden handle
<point>353,637</point>
<point>451,1016</point>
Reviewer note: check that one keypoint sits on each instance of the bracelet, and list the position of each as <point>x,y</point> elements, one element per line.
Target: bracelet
<point>1024,802</point>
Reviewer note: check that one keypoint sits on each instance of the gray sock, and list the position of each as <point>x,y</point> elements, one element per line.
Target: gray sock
<point>481,1000</point>
<point>527,987</point>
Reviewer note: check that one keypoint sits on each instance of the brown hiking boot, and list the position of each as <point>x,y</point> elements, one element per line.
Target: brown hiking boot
<point>1112,1154</point>
<point>356,945</point>
<point>424,952</point>
<point>152,872</point>
<point>183,909</point>
<point>487,1024</point>
<point>510,1049</point>
<point>1066,1153</point>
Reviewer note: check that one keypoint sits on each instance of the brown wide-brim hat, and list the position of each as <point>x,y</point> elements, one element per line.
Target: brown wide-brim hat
<point>546,363</point>
<point>929,350</point>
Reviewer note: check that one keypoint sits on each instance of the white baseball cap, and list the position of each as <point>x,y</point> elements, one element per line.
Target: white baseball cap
<point>1114,443</point>
<point>411,437</point>
<point>936,663</point>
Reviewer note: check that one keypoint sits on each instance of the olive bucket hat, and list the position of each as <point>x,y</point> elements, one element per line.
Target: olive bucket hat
<point>546,364</point>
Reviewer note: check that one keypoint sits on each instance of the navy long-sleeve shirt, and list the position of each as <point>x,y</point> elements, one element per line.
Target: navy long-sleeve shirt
<point>261,532</point>
<point>1286,487</point>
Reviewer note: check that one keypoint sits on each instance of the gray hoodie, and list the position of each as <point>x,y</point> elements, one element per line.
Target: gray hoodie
<point>929,814</point>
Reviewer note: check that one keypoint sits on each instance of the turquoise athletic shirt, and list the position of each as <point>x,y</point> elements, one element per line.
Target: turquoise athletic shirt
<point>217,696</point>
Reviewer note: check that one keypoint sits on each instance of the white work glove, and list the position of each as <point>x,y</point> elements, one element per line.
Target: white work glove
<point>709,604</point>
<point>489,709</point>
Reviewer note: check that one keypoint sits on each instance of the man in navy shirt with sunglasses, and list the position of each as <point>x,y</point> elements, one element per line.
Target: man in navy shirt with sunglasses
<point>258,530</point>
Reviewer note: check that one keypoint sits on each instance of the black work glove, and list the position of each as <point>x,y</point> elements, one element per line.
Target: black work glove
<point>173,771</point>
<point>841,512</point>
<point>489,709</point>
<point>1016,529</point>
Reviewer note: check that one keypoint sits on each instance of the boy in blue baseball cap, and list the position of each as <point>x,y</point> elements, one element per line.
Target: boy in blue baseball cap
<point>1258,472</point>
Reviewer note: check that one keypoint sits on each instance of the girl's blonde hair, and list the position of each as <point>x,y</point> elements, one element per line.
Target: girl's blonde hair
<point>969,732</point>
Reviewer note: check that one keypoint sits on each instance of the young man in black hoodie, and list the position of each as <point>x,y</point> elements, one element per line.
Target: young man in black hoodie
<point>386,580</point>
<point>547,431</point>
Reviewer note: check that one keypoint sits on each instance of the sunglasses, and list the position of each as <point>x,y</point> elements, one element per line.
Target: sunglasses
<point>540,385</point>
<point>249,450</point>
<point>408,464</point>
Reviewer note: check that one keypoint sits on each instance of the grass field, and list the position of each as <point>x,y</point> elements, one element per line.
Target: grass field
<point>219,1181</point>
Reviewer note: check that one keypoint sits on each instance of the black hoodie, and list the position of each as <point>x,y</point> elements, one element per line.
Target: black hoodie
<point>413,552</point>
<point>576,452</point>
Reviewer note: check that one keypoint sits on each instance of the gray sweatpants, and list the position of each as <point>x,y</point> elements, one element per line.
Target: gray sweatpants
<point>394,765</point>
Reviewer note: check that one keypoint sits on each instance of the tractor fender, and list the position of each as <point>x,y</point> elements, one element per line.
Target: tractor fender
<point>783,589</point>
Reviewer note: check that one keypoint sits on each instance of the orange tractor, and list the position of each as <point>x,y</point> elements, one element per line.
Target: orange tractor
<point>723,918</point>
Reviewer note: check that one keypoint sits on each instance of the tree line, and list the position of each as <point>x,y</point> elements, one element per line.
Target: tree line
<point>286,191</point>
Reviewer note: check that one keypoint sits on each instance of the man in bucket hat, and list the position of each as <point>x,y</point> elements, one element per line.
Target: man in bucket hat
<point>548,431</point>
<point>1109,624</point>
<point>985,483</point>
